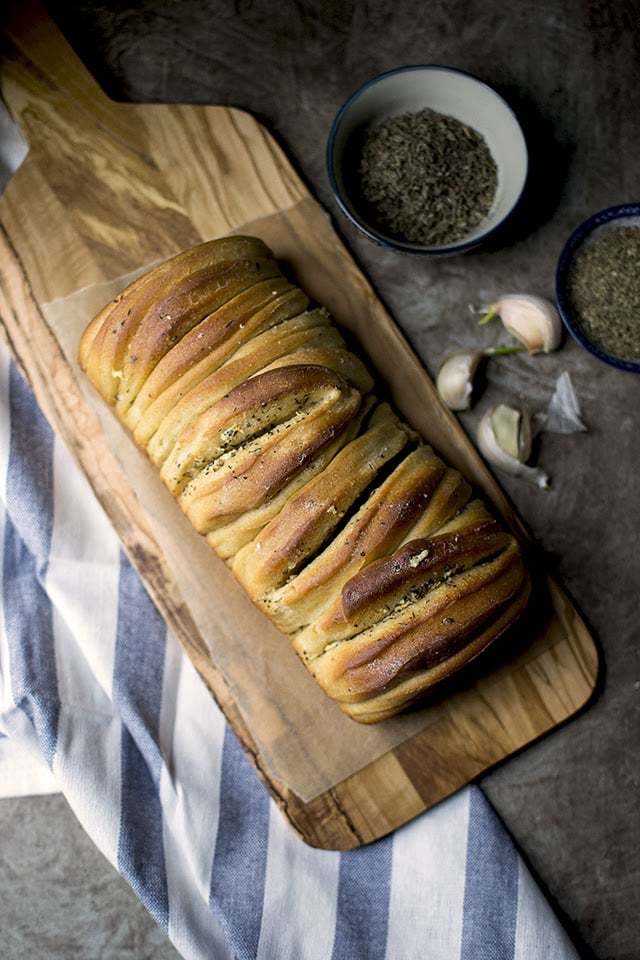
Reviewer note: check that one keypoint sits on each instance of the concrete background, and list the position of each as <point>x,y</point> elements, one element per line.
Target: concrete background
<point>571,70</point>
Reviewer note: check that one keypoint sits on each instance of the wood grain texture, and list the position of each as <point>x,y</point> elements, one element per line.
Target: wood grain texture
<point>108,188</point>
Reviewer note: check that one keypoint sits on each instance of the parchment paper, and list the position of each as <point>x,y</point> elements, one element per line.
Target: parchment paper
<point>305,741</point>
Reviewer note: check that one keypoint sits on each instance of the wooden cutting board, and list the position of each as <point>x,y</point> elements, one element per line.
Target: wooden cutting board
<point>108,188</point>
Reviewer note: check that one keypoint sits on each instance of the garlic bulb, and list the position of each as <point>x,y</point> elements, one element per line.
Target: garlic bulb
<point>533,321</point>
<point>504,438</point>
<point>455,379</point>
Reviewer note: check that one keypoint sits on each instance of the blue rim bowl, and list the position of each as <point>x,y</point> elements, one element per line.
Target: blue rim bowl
<point>353,214</point>
<point>625,211</point>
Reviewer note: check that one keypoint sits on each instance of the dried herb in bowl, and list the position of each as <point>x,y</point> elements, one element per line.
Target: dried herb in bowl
<point>603,289</point>
<point>426,178</point>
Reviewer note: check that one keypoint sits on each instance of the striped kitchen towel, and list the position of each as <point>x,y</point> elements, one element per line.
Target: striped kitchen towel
<point>98,700</point>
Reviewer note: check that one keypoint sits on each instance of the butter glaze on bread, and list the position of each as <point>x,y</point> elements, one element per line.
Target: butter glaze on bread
<point>343,527</point>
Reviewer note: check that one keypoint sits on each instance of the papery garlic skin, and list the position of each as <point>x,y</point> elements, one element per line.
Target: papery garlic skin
<point>493,428</point>
<point>455,379</point>
<point>563,413</point>
<point>533,321</point>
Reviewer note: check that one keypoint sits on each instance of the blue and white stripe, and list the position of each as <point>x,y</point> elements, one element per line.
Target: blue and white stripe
<point>98,700</point>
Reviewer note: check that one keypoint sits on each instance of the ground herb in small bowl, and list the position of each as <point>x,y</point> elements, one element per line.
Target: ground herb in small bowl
<point>426,178</point>
<point>603,290</point>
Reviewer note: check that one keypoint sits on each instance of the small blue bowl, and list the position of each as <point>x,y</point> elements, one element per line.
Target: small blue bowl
<point>446,90</point>
<point>626,211</point>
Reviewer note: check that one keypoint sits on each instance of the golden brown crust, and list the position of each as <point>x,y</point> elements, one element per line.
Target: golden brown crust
<point>350,534</point>
<point>186,406</point>
<point>428,637</point>
<point>416,563</point>
<point>209,343</point>
<point>311,516</point>
<point>391,700</point>
<point>233,534</point>
<point>312,599</point>
<point>104,351</point>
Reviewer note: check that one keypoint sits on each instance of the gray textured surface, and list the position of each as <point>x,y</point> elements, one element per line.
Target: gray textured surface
<point>59,898</point>
<point>571,69</point>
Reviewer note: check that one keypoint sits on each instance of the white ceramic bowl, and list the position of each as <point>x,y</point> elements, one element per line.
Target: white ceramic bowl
<point>446,90</point>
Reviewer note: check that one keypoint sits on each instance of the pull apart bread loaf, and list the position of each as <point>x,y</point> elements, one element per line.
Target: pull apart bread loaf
<point>343,527</point>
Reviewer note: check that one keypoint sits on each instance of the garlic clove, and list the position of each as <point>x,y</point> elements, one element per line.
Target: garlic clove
<point>512,429</point>
<point>455,379</point>
<point>504,438</point>
<point>505,422</point>
<point>533,321</point>
<point>525,438</point>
